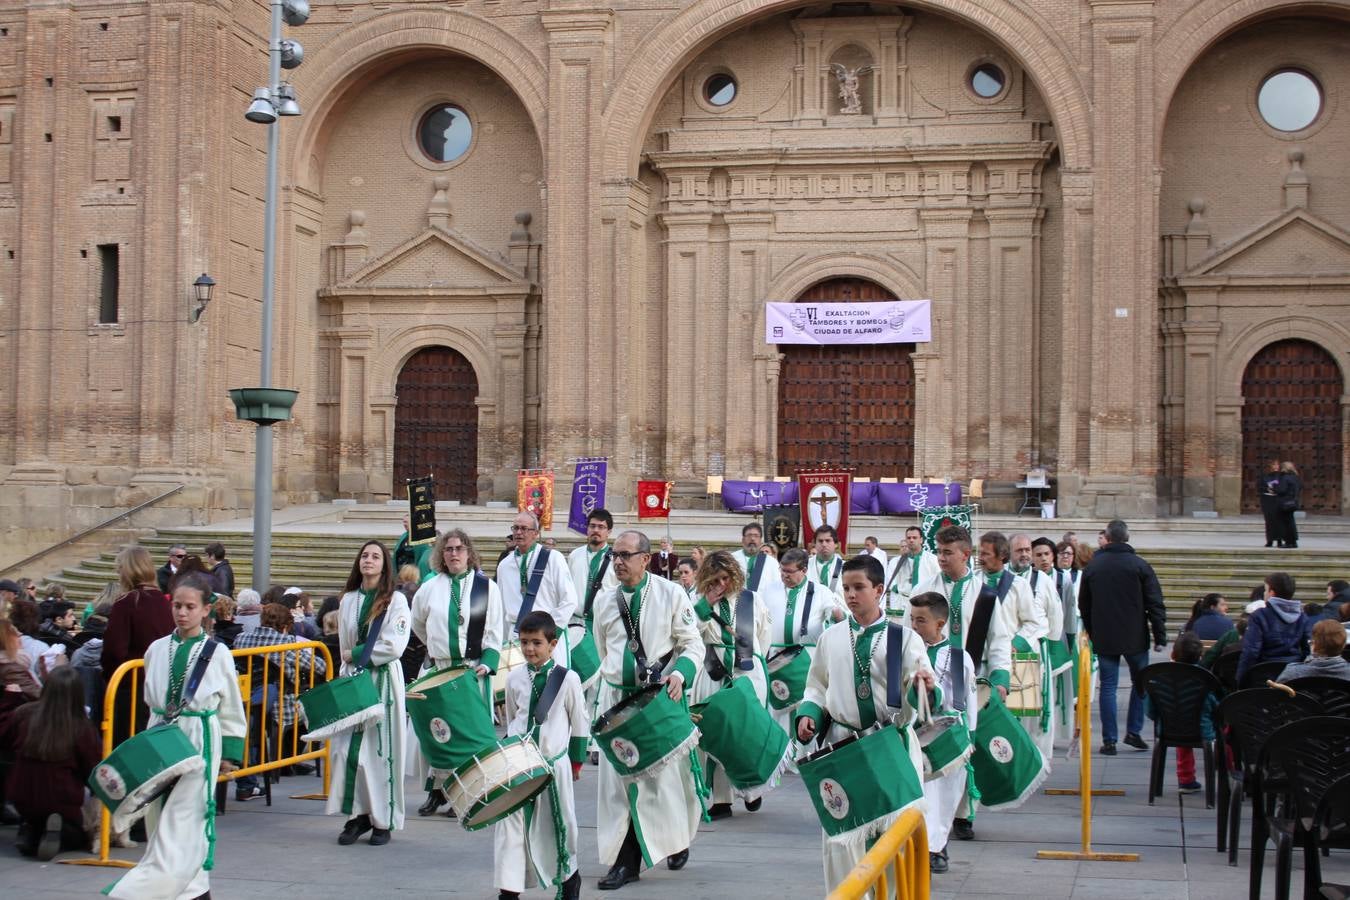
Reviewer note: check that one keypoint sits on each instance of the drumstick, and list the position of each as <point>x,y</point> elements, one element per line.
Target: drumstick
<point>414,695</point>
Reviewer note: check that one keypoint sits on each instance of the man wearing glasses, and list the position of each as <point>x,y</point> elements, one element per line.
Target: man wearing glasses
<point>645,634</point>
<point>534,577</point>
<point>164,574</point>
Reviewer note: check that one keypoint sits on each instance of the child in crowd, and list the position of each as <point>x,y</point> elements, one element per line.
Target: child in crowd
<point>1188,649</point>
<point>848,684</point>
<point>56,747</point>
<point>928,614</point>
<point>544,701</point>
<point>226,628</point>
<point>182,845</point>
<point>1328,641</point>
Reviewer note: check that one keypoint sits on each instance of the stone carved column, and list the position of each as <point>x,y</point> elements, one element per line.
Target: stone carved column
<point>688,404</point>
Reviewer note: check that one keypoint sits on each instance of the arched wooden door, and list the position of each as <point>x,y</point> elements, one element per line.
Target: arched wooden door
<point>1291,410</point>
<point>850,406</point>
<point>436,424</point>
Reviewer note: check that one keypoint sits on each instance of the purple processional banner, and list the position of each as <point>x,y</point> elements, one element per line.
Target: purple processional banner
<point>844,322</point>
<point>867,498</point>
<point>588,491</point>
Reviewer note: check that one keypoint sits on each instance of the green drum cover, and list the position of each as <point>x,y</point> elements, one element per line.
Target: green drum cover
<point>585,659</point>
<point>342,704</point>
<point>141,769</point>
<point>787,677</point>
<point>862,781</point>
<point>450,716</point>
<point>1059,655</point>
<point>738,732</point>
<point>642,730</point>
<point>948,746</point>
<point>1007,763</point>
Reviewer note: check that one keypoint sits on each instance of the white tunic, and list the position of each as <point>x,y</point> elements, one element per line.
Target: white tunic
<point>824,603</point>
<point>771,577</point>
<point>833,571</point>
<point>431,620</point>
<point>1026,618</point>
<point>901,580</point>
<point>878,554</point>
<point>557,596</point>
<point>579,564</point>
<point>375,785</point>
<point>1047,600</point>
<point>172,865</point>
<point>666,802</point>
<point>942,796</point>
<point>997,656</point>
<point>525,857</point>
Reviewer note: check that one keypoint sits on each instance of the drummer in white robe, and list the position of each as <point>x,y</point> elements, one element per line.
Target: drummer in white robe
<point>804,611</point>
<point>181,850</point>
<point>760,568</point>
<point>833,688</point>
<point>826,564</point>
<point>909,568</point>
<point>367,763</point>
<point>556,595</point>
<point>961,587</point>
<point>440,619</point>
<point>718,606</point>
<point>942,796</point>
<point>592,574</point>
<point>528,848</point>
<point>666,801</point>
<point>1046,601</point>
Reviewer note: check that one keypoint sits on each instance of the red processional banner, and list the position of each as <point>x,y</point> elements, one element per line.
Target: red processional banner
<point>824,498</point>
<point>534,493</point>
<point>653,499</point>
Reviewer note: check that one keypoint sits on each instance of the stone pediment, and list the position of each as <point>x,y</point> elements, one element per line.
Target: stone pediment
<point>1294,243</point>
<point>436,258</point>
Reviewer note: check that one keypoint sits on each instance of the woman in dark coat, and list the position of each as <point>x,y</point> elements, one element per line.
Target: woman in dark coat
<point>1290,498</point>
<point>141,616</point>
<point>1268,489</point>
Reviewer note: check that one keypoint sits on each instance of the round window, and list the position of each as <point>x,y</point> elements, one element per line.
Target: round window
<point>1289,100</point>
<point>719,89</point>
<point>445,133</point>
<point>987,81</point>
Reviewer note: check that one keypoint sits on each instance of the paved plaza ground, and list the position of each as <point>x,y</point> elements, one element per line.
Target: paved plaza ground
<point>290,850</point>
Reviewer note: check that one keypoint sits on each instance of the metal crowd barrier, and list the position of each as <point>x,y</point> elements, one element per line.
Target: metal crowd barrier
<point>900,853</point>
<point>289,748</point>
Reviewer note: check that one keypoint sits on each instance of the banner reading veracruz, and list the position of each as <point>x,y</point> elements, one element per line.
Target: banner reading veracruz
<point>848,322</point>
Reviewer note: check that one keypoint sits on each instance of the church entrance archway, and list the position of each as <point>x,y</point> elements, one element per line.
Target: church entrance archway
<point>1291,410</point>
<point>436,424</point>
<point>848,406</point>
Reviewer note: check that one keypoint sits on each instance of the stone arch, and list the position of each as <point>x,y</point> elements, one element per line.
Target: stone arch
<point>331,69</point>
<point>665,51</point>
<point>895,276</point>
<point>1246,344</point>
<point>1203,25</point>
<point>401,346</point>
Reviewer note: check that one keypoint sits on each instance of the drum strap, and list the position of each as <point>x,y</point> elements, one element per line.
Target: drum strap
<point>756,566</point>
<point>645,674</point>
<point>593,587</point>
<point>532,589</point>
<point>806,608</point>
<point>978,633</point>
<point>1005,583</point>
<point>745,631</point>
<point>176,707</point>
<point>372,636</point>
<point>550,693</point>
<point>834,579</point>
<point>478,605</point>
<point>895,653</point>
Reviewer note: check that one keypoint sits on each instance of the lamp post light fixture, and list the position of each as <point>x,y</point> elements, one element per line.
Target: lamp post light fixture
<point>202,289</point>
<point>265,405</point>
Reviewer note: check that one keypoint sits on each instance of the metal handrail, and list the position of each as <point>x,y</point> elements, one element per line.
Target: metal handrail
<point>88,531</point>
<point>902,852</point>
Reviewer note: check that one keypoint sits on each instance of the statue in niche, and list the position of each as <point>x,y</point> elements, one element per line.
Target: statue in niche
<point>850,102</point>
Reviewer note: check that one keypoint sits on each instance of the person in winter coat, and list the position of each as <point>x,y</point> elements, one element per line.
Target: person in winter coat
<point>1279,631</point>
<point>1289,500</point>
<point>1268,485</point>
<point>1328,641</point>
<point>1210,621</point>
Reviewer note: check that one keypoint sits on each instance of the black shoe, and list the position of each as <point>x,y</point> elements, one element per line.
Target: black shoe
<point>937,863</point>
<point>618,876</point>
<point>1268,544</point>
<point>754,805</point>
<point>9,816</point>
<point>137,832</point>
<point>299,769</point>
<point>206,896</point>
<point>354,829</point>
<point>1108,748</point>
<point>1292,545</point>
<point>719,811</point>
<point>1135,741</point>
<point>675,861</point>
<point>571,888</point>
<point>380,836</point>
<point>451,814</point>
<point>508,895</point>
<point>435,800</point>
<point>963,829</point>
<point>247,794</point>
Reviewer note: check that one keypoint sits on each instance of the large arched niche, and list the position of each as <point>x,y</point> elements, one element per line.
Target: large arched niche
<point>1025,37</point>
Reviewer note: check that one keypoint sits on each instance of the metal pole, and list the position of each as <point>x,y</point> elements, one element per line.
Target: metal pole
<point>262,464</point>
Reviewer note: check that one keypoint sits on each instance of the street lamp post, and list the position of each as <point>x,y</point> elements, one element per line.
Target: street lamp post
<point>266,405</point>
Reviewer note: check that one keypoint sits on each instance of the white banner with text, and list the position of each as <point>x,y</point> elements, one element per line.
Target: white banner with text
<point>844,322</point>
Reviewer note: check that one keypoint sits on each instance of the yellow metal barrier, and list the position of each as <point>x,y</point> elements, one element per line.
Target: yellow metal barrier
<point>287,689</point>
<point>896,866</point>
<point>1084,716</point>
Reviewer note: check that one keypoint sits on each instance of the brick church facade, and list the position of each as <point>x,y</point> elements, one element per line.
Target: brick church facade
<point>515,232</point>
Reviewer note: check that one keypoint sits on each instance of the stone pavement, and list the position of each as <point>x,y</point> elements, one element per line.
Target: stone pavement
<point>290,851</point>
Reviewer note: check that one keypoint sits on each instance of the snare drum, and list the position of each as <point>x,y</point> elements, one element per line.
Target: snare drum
<point>496,781</point>
<point>1024,689</point>
<point>450,717</point>
<point>142,769</point>
<point>585,658</point>
<point>944,739</point>
<point>736,730</point>
<point>787,676</point>
<point>643,730</point>
<point>343,704</point>
<point>860,780</point>
<point>511,657</point>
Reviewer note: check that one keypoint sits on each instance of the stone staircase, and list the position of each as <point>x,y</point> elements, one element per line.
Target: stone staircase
<point>319,560</point>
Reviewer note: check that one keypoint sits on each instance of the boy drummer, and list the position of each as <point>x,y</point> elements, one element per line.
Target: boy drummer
<point>928,617</point>
<point>546,702</point>
<point>848,683</point>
